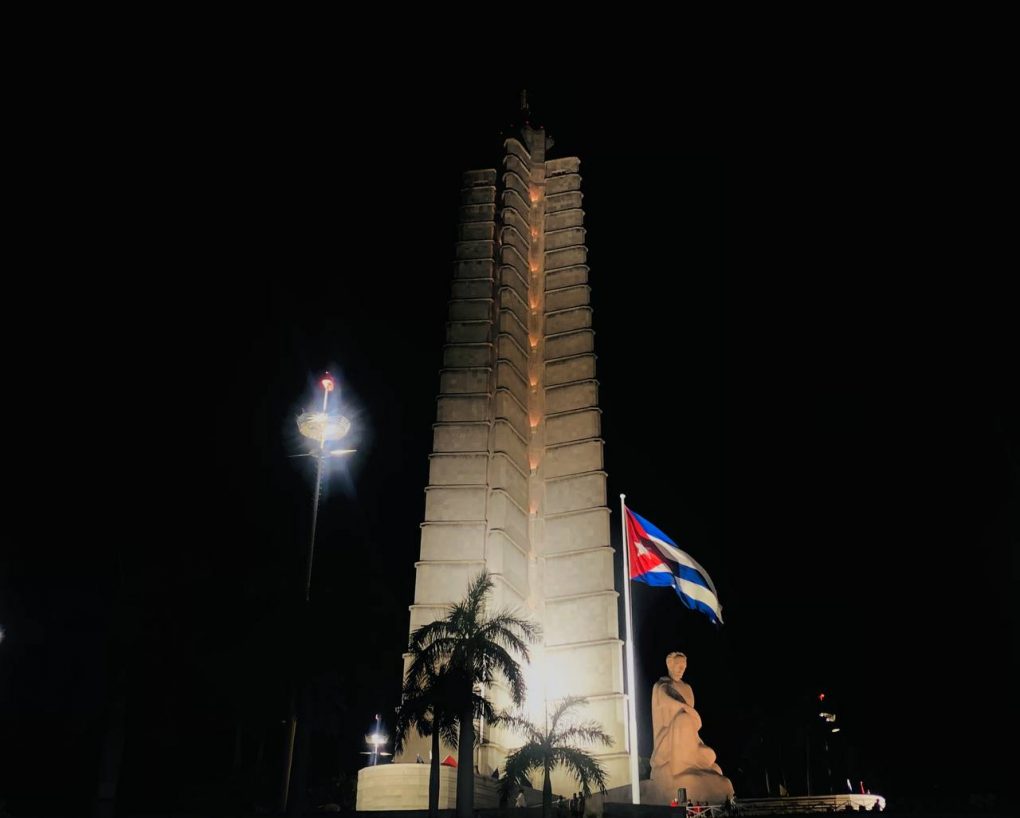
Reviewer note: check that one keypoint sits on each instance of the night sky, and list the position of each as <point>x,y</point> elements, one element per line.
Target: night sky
<point>803,375</point>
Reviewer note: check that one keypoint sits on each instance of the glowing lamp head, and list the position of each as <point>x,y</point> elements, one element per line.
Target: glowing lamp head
<point>821,697</point>
<point>327,382</point>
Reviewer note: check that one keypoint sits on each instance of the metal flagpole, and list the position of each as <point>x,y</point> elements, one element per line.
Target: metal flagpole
<point>635,785</point>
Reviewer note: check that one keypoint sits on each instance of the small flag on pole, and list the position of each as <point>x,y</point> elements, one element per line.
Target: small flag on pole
<point>656,560</point>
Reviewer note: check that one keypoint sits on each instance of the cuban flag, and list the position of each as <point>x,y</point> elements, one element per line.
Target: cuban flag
<point>656,560</point>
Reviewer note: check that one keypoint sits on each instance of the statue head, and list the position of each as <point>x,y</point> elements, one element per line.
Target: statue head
<point>676,664</point>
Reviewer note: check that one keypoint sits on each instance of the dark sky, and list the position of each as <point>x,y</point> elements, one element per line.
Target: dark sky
<point>803,375</point>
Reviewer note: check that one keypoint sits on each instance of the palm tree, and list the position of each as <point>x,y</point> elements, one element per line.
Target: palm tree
<point>546,749</point>
<point>429,707</point>
<point>471,647</point>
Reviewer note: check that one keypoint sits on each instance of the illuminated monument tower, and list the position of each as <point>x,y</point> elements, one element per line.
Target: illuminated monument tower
<point>516,484</point>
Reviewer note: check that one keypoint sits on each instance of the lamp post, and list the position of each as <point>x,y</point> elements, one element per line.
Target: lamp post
<point>829,718</point>
<point>321,427</point>
<point>375,740</point>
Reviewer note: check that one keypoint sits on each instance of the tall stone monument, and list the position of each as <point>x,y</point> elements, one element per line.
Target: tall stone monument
<point>516,484</point>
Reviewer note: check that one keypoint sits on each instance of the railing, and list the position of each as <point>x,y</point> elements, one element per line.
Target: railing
<point>804,804</point>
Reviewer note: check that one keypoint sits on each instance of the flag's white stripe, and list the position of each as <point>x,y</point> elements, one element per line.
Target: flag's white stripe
<point>700,593</point>
<point>683,558</point>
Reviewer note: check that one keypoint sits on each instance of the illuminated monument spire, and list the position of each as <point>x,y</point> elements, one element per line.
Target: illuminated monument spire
<point>516,484</point>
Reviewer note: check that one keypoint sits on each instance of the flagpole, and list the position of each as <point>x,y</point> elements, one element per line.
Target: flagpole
<point>635,785</point>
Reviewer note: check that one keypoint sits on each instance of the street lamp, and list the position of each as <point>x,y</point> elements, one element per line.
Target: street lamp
<point>829,718</point>
<point>322,427</point>
<point>375,740</point>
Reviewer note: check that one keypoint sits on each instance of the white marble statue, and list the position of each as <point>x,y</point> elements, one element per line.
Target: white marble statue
<point>679,757</point>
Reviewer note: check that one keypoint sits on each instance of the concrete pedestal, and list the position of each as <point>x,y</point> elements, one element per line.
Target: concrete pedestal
<point>406,787</point>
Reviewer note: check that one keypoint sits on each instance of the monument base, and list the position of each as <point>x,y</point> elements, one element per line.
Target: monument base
<point>703,786</point>
<point>793,805</point>
<point>803,805</point>
<point>406,787</point>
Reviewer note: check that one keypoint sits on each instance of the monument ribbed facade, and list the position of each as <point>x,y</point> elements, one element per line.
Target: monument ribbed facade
<point>516,480</point>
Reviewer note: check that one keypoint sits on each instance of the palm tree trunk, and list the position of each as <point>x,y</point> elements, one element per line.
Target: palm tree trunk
<point>434,774</point>
<point>465,765</point>
<point>546,794</point>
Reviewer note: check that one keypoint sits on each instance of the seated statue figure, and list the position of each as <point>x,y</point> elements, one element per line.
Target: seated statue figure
<point>679,757</point>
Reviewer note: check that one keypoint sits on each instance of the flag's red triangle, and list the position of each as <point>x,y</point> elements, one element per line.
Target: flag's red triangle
<point>644,556</point>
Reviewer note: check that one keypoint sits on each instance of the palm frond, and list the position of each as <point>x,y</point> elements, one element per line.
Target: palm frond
<point>482,708</point>
<point>429,633</point>
<point>586,769</point>
<point>449,732</point>
<point>477,591</point>
<point>511,632</point>
<point>518,765</point>
<point>430,658</point>
<point>449,656</point>
<point>495,659</point>
<point>520,724</point>
<point>555,747</point>
<point>565,706</point>
<point>589,732</point>
<point>529,757</point>
<point>433,696</point>
<point>415,714</point>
